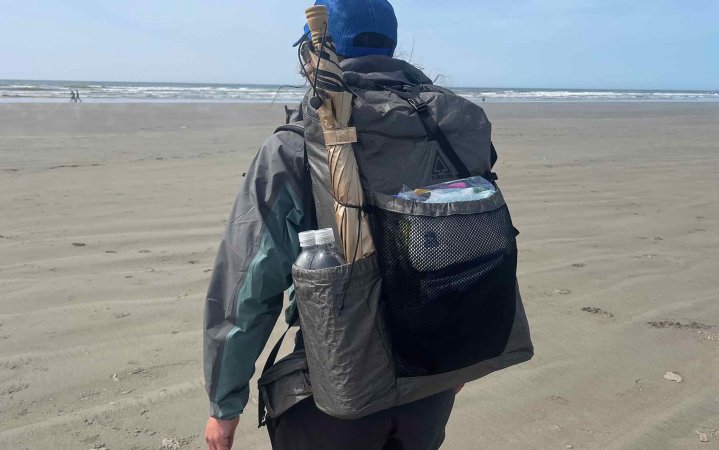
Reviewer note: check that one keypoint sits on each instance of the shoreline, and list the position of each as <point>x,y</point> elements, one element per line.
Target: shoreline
<point>92,101</point>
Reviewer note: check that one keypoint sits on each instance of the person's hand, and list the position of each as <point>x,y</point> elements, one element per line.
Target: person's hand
<point>219,434</point>
<point>458,388</point>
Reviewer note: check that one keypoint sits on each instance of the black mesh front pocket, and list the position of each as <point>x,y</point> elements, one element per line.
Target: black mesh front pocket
<point>449,283</point>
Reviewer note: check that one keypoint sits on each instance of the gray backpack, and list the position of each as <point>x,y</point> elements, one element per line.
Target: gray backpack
<point>439,304</point>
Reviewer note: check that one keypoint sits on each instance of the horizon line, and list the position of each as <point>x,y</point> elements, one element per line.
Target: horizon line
<point>299,87</point>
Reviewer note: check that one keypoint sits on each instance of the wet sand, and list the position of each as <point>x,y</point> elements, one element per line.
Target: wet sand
<point>111,216</point>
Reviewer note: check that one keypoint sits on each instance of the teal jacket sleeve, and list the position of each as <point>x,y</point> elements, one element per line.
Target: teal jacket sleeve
<point>252,270</point>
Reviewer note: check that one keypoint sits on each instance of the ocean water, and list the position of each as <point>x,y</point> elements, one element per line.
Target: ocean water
<point>110,92</point>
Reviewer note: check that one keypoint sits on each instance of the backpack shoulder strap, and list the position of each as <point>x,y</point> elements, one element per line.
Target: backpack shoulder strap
<point>494,154</point>
<point>261,408</point>
<point>294,127</point>
<point>310,221</point>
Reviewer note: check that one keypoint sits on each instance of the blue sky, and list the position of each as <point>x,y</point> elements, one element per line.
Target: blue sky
<point>638,44</point>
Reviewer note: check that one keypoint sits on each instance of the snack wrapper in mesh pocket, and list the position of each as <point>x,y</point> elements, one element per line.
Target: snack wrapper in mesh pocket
<point>464,190</point>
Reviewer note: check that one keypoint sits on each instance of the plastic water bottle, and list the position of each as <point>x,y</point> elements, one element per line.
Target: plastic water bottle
<point>326,255</point>
<point>309,248</point>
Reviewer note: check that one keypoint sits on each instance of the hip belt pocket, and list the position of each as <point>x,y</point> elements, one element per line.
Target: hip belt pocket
<point>285,384</point>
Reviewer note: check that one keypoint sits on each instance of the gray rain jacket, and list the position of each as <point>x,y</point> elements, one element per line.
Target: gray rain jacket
<point>253,270</point>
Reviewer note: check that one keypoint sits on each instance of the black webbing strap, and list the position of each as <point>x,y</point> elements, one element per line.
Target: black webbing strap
<point>288,114</point>
<point>434,131</point>
<point>261,413</point>
<point>494,154</point>
<point>309,219</point>
<point>432,127</point>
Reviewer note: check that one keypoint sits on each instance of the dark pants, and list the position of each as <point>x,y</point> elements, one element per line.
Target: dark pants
<point>415,426</point>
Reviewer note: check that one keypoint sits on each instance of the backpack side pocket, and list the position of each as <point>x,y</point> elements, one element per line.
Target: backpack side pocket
<point>343,328</point>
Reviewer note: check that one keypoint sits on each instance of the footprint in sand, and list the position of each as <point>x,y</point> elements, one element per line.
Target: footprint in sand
<point>703,330</point>
<point>15,388</point>
<point>679,325</point>
<point>599,311</point>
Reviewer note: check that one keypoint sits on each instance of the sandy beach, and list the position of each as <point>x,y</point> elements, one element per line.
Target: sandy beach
<point>111,216</point>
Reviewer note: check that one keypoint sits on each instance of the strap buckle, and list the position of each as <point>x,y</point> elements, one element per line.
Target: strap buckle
<point>418,105</point>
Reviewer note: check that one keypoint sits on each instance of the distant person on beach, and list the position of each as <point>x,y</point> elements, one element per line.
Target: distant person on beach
<point>73,98</point>
<point>77,97</point>
<point>282,194</point>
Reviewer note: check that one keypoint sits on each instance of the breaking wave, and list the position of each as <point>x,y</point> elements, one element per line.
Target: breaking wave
<point>110,92</point>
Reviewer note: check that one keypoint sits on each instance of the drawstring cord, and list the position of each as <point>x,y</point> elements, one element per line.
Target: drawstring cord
<point>354,257</point>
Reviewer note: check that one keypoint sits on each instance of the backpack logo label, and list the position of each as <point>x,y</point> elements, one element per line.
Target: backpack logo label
<point>440,169</point>
<point>431,240</point>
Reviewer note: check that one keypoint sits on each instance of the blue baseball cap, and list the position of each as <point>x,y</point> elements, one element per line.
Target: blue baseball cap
<point>359,27</point>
